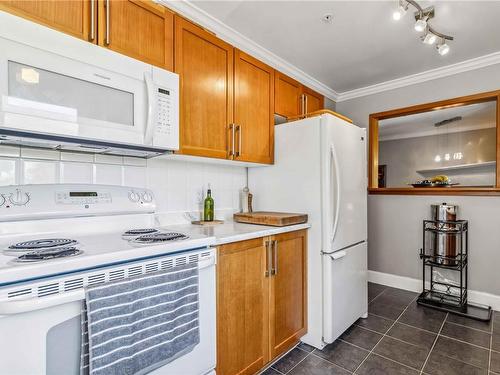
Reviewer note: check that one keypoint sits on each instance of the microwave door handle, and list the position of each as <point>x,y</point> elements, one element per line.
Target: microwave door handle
<point>32,304</point>
<point>150,89</point>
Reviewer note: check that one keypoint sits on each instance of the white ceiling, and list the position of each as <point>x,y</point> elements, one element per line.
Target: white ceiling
<point>364,45</point>
<point>474,116</point>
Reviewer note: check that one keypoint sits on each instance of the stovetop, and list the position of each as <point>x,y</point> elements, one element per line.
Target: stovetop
<point>22,256</point>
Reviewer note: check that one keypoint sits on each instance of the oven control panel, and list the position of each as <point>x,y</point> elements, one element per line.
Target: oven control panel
<point>27,202</point>
<point>82,197</point>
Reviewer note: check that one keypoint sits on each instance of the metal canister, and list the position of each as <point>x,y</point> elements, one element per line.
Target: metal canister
<point>444,212</point>
<point>445,238</point>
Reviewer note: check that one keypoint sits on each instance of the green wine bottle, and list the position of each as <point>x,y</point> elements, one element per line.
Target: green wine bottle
<point>208,207</point>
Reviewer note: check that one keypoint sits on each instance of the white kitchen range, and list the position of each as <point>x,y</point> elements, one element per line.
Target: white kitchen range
<point>236,188</point>
<point>57,240</point>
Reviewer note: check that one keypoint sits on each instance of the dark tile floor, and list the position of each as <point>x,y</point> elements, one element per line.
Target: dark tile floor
<point>401,337</point>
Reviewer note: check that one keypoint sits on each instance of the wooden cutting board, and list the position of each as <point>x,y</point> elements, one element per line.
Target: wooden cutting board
<point>276,219</point>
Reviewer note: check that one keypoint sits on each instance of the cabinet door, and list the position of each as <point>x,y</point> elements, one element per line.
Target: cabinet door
<point>71,17</point>
<point>288,305</point>
<point>242,308</point>
<point>205,66</point>
<point>139,29</point>
<point>253,109</point>
<point>287,96</point>
<point>313,100</point>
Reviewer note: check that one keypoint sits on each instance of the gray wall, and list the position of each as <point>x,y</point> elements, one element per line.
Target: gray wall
<point>330,104</point>
<point>394,222</point>
<point>404,157</point>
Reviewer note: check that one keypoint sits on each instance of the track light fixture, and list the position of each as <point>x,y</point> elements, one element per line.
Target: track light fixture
<point>422,17</point>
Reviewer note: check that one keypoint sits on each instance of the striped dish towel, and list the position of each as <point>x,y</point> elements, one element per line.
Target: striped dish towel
<point>136,325</point>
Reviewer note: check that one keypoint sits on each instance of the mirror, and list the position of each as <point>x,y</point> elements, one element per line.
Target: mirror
<point>453,146</point>
<point>448,147</point>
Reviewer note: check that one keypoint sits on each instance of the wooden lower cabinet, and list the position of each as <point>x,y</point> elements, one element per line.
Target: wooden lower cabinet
<point>288,294</point>
<point>242,307</point>
<point>261,300</point>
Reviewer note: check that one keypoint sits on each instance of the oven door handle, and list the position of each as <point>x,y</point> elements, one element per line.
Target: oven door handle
<point>18,306</point>
<point>32,304</point>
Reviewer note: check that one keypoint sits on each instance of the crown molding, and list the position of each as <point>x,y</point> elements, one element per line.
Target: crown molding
<point>228,34</point>
<point>233,37</point>
<point>429,75</point>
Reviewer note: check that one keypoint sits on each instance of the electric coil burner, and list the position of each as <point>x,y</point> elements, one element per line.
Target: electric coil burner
<point>139,232</point>
<point>159,237</point>
<point>42,244</point>
<point>47,254</point>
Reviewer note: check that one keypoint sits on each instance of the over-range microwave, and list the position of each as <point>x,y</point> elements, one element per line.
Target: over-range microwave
<point>55,84</point>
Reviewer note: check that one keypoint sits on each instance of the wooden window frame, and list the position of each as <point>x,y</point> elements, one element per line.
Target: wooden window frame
<point>373,147</point>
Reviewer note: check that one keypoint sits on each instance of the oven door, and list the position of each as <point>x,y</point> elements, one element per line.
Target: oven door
<point>46,92</point>
<point>41,335</point>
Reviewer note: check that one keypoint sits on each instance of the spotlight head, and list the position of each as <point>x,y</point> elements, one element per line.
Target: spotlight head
<point>443,48</point>
<point>420,25</point>
<point>401,11</point>
<point>429,38</point>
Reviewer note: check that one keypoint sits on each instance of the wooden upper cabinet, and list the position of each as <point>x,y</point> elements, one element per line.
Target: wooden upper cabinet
<point>242,308</point>
<point>253,109</point>
<point>138,28</point>
<point>288,305</point>
<point>294,99</point>
<point>312,100</point>
<point>205,66</point>
<point>287,96</point>
<point>72,17</point>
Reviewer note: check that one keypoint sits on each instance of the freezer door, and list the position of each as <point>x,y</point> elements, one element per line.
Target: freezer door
<point>344,184</point>
<point>345,290</point>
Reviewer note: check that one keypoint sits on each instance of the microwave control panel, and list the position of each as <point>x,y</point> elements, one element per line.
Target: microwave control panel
<point>164,111</point>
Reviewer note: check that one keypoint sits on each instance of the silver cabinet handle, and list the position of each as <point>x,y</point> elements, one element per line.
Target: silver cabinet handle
<point>305,104</point>
<point>92,20</point>
<point>107,22</point>
<point>239,130</point>
<point>274,269</point>
<point>233,136</point>
<point>302,104</point>
<point>268,258</point>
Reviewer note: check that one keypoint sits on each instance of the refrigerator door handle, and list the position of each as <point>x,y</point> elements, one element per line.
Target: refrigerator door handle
<point>338,254</point>
<point>334,177</point>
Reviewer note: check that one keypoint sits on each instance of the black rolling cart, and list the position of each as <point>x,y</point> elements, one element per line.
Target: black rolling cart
<point>444,258</point>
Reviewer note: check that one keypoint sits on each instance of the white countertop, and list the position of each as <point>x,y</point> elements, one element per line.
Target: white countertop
<point>231,231</point>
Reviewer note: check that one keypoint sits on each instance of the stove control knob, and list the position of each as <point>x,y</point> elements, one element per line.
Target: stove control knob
<point>147,197</point>
<point>19,198</point>
<point>133,196</point>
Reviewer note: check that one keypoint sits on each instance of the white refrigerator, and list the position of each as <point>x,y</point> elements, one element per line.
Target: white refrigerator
<point>320,169</point>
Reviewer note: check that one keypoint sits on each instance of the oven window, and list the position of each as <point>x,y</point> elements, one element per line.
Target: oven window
<point>92,101</point>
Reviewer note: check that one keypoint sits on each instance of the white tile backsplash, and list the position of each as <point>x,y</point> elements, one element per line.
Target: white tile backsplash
<point>39,172</point>
<point>77,156</point>
<point>179,186</point>
<point>76,173</point>
<point>7,172</point>
<point>108,159</point>
<point>135,176</point>
<point>36,153</point>
<point>108,174</point>
<point>12,151</point>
